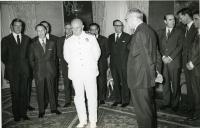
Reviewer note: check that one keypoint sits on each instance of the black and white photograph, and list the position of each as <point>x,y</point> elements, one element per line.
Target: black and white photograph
<point>100,64</point>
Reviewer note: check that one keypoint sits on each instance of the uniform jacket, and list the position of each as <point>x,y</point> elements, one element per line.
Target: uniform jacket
<point>82,54</point>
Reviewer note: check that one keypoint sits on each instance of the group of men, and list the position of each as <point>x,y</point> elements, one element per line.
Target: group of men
<point>135,61</point>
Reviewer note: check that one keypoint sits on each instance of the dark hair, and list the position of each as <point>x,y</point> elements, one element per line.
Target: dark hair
<point>49,25</point>
<point>184,11</point>
<point>195,12</point>
<point>67,23</point>
<point>41,26</point>
<point>95,24</point>
<point>18,20</point>
<point>165,16</point>
<point>116,21</point>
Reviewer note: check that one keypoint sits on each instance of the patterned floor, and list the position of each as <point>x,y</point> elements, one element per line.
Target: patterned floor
<point>107,117</point>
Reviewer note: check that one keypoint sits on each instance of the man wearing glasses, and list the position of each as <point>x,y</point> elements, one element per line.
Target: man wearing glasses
<point>118,42</point>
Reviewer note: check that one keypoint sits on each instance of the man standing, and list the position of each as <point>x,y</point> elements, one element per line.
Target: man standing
<point>118,42</point>
<point>194,66</point>
<point>102,63</point>
<point>141,68</point>
<point>50,36</point>
<point>185,16</point>
<point>43,58</point>
<point>82,52</point>
<point>64,65</point>
<point>15,49</point>
<point>170,42</point>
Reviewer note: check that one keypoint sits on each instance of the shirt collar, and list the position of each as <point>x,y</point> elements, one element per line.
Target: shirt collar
<point>189,25</point>
<point>41,40</point>
<point>138,25</point>
<point>15,34</point>
<point>47,35</point>
<point>168,29</point>
<point>118,34</point>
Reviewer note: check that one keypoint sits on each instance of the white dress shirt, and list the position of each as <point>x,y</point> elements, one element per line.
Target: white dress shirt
<point>82,54</point>
<point>15,36</point>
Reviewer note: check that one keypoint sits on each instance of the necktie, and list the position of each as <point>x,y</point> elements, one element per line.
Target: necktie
<point>117,38</point>
<point>43,45</point>
<point>18,39</point>
<point>168,34</point>
<point>187,29</point>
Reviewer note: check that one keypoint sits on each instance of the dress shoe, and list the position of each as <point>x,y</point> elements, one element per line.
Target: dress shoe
<point>115,104</point>
<point>81,125</point>
<point>56,111</point>
<point>162,107</point>
<point>124,105</point>
<point>41,115</point>
<point>58,105</point>
<point>30,108</point>
<point>101,102</point>
<point>193,118</point>
<point>26,118</point>
<point>67,105</point>
<point>16,119</point>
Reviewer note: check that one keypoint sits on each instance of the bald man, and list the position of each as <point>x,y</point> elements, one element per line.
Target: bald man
<point>81,52</point>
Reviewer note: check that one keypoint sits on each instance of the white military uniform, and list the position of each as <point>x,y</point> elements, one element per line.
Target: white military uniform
<point>82,54</point>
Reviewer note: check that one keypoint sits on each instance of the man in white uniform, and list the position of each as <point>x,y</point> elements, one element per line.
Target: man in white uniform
<point>81,52</point>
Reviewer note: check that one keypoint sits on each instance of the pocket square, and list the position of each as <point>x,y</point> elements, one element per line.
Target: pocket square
<point>123,41</point>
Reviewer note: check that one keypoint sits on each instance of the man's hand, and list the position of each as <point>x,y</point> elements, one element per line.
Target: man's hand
<point>190,65</point>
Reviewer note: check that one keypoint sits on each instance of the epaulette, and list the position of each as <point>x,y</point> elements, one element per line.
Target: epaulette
<point>68,36</point>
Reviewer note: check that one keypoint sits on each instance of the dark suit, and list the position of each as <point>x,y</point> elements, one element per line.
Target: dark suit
<point>141,68</point>
<point>118,61</point>
<point>17,71</point>
<point>44,71</point>
<point>171,46</point>
<point>64,69</point>
<point>195,59</point>
<point>102,66</point>
<point>56,84</point>
<point>187,46</point>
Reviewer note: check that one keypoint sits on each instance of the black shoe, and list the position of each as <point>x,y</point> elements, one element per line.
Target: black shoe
<point>175,109</point>
<point>41,115</point>
<point>101,102</point>
<point>124,105</point>
<point>30,108</point>
<point>58,105</point>
<point>56,111</point>
<point>115,104</point>
<point>193,118</point>
<point>16,119</point>
<point>67,105</point>
<point>26,118</point>
<point>162,107</point>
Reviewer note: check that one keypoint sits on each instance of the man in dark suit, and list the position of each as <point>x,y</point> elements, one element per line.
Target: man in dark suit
<point>102,63</point>
<point>15,48</point>
<point>170,42</point>
<point>43,61</point>
<point>185,16</point>
<point>141,68</point>
<point>50,36</point>
<point>64,66</point>
<point>194,66</point>
<point>118,42</point>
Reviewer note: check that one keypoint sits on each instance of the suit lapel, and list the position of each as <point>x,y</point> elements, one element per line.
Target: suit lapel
<point>39,46</point>
<point>13,40</point>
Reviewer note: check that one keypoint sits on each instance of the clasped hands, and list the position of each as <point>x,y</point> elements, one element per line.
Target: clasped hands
<point>166,59</point>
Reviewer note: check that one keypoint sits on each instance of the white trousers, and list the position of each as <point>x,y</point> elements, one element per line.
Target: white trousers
<point>88,85</point>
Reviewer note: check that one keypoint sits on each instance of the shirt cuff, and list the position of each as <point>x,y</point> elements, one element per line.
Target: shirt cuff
<point>170,58</point>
